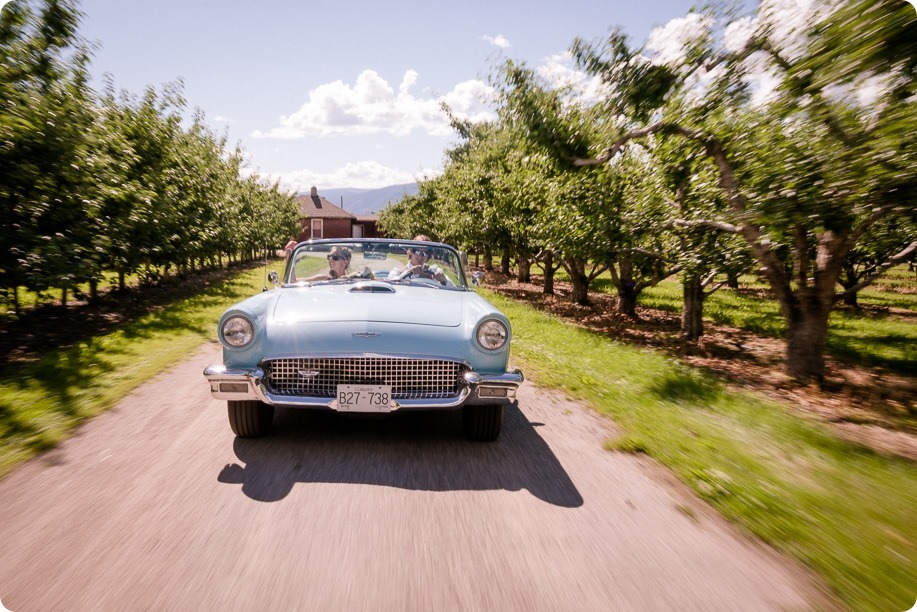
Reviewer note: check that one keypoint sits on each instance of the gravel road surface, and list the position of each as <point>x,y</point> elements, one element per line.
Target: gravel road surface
<point>156,506</point>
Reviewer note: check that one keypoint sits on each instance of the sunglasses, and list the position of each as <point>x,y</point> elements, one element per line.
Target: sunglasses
<point>424,253</point>
<point>335,257</point>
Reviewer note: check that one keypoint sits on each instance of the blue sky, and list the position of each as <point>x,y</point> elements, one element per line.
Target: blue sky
<point>342,94</point>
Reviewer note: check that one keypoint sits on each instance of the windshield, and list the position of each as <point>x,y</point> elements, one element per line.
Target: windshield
<point>409,262</point>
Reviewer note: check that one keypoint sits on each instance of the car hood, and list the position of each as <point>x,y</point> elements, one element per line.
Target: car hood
<point>340,303</point>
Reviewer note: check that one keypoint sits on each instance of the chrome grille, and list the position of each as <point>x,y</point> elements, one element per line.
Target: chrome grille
<point>320,376</point>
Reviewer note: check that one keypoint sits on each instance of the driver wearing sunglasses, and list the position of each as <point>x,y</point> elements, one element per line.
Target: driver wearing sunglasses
<point>419,266</point>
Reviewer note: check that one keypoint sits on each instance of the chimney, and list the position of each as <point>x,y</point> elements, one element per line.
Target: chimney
<point>314,191</point>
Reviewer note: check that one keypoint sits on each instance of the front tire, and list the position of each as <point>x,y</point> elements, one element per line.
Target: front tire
<point>249,418</point>
<point>482,423</point>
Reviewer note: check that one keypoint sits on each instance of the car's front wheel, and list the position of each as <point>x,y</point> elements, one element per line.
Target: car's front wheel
<point>250,419</point>
<point>482,423</point>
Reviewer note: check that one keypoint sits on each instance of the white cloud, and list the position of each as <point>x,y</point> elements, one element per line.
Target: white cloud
<point>788,22</point>
<point>784,22</point>
<point>737,33</point>
<point>498,41</point>
<point>366,174</point>
<point>865,91</point>
<point>372,106</point>
<point>671,41</point>
<point>559,73</point>
<point>221,119</point>
<point>763,78</point>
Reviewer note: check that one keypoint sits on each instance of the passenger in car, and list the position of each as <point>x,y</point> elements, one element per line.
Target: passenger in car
<point>338,265</point>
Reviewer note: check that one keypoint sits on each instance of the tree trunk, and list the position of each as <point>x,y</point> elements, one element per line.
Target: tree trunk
<point>524,272</point>
<point>692,309</point>
<point>847,280</point>
<point>504,264</point>
<point>732,280</point>
<point>580,289</point>
<point>627,289</point>
<point>548,264</point>
<point>577,271</point>
<point>627,299</point>
<point>63,297</point>
<point>120,280</point>
<point>93,289</point>
<point>488,259</point>
<point>805,347</point>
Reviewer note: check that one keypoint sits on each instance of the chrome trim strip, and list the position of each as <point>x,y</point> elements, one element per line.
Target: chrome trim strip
<point>469,394</point>
<point>364,354</point>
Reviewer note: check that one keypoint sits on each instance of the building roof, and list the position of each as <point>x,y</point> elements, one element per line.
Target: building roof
<point>314,206</point>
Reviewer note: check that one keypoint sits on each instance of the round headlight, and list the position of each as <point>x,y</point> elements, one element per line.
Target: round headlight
<point>237,331</point>
<point>492,334</point>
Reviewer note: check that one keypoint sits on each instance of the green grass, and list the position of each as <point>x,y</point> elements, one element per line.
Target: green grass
<point>41,402</point>
<point>845,512</point>
<point>871,337</point>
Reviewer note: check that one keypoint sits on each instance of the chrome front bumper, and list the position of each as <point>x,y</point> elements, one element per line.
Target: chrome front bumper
<point>226,384</point>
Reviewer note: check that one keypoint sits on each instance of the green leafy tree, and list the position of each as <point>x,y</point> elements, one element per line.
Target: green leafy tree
<point>808,173</point>
<point>415,214</point>
<point>45,151</point>
<point>610,220</point>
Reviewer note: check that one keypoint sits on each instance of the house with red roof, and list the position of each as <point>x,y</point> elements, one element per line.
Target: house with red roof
<point>319,218</point>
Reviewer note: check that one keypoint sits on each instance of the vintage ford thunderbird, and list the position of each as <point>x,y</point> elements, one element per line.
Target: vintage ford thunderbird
<point>366,326</point>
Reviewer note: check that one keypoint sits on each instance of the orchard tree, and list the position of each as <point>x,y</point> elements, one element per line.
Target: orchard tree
<point>596,221</point>
<point>810,168</point>
<point>708,258</point>
<point>874,254</point>
<point>414,214</point>
<point>489,189</point>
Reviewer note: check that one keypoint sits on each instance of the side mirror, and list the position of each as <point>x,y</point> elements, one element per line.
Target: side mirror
<point>274,278</point>
<point>477,278</point>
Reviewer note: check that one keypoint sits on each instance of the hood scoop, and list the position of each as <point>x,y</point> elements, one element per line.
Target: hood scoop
<point>372,287</point>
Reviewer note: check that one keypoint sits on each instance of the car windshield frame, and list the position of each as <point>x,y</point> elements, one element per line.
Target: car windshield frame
<point>372,259</point>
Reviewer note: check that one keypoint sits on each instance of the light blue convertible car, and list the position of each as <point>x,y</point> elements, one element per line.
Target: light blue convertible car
<point>366,326</point>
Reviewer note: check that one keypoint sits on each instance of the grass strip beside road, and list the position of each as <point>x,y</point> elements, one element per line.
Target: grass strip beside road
<point>844,511</point>
<point>42,402</point>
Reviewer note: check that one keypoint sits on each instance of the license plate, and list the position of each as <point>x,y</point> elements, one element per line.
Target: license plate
<point>364,398</point>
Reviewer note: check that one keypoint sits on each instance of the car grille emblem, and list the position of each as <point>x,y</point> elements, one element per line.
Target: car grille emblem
<point>309,373</point>
<point>366,334</point>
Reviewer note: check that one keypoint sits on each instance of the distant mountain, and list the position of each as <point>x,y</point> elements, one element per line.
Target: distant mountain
<point>367,201</point>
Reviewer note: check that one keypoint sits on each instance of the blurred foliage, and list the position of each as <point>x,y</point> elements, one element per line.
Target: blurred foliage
<point>93,182</point>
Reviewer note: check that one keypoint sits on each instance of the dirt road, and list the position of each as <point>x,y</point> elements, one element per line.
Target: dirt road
<point>155,506</point>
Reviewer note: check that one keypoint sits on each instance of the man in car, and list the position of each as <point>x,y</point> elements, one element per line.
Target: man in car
<point>419,266</point>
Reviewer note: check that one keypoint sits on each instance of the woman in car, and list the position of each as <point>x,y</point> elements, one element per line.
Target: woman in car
<point>338,265</point>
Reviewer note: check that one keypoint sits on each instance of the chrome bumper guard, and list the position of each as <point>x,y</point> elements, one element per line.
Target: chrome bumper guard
<point>226,384</point>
